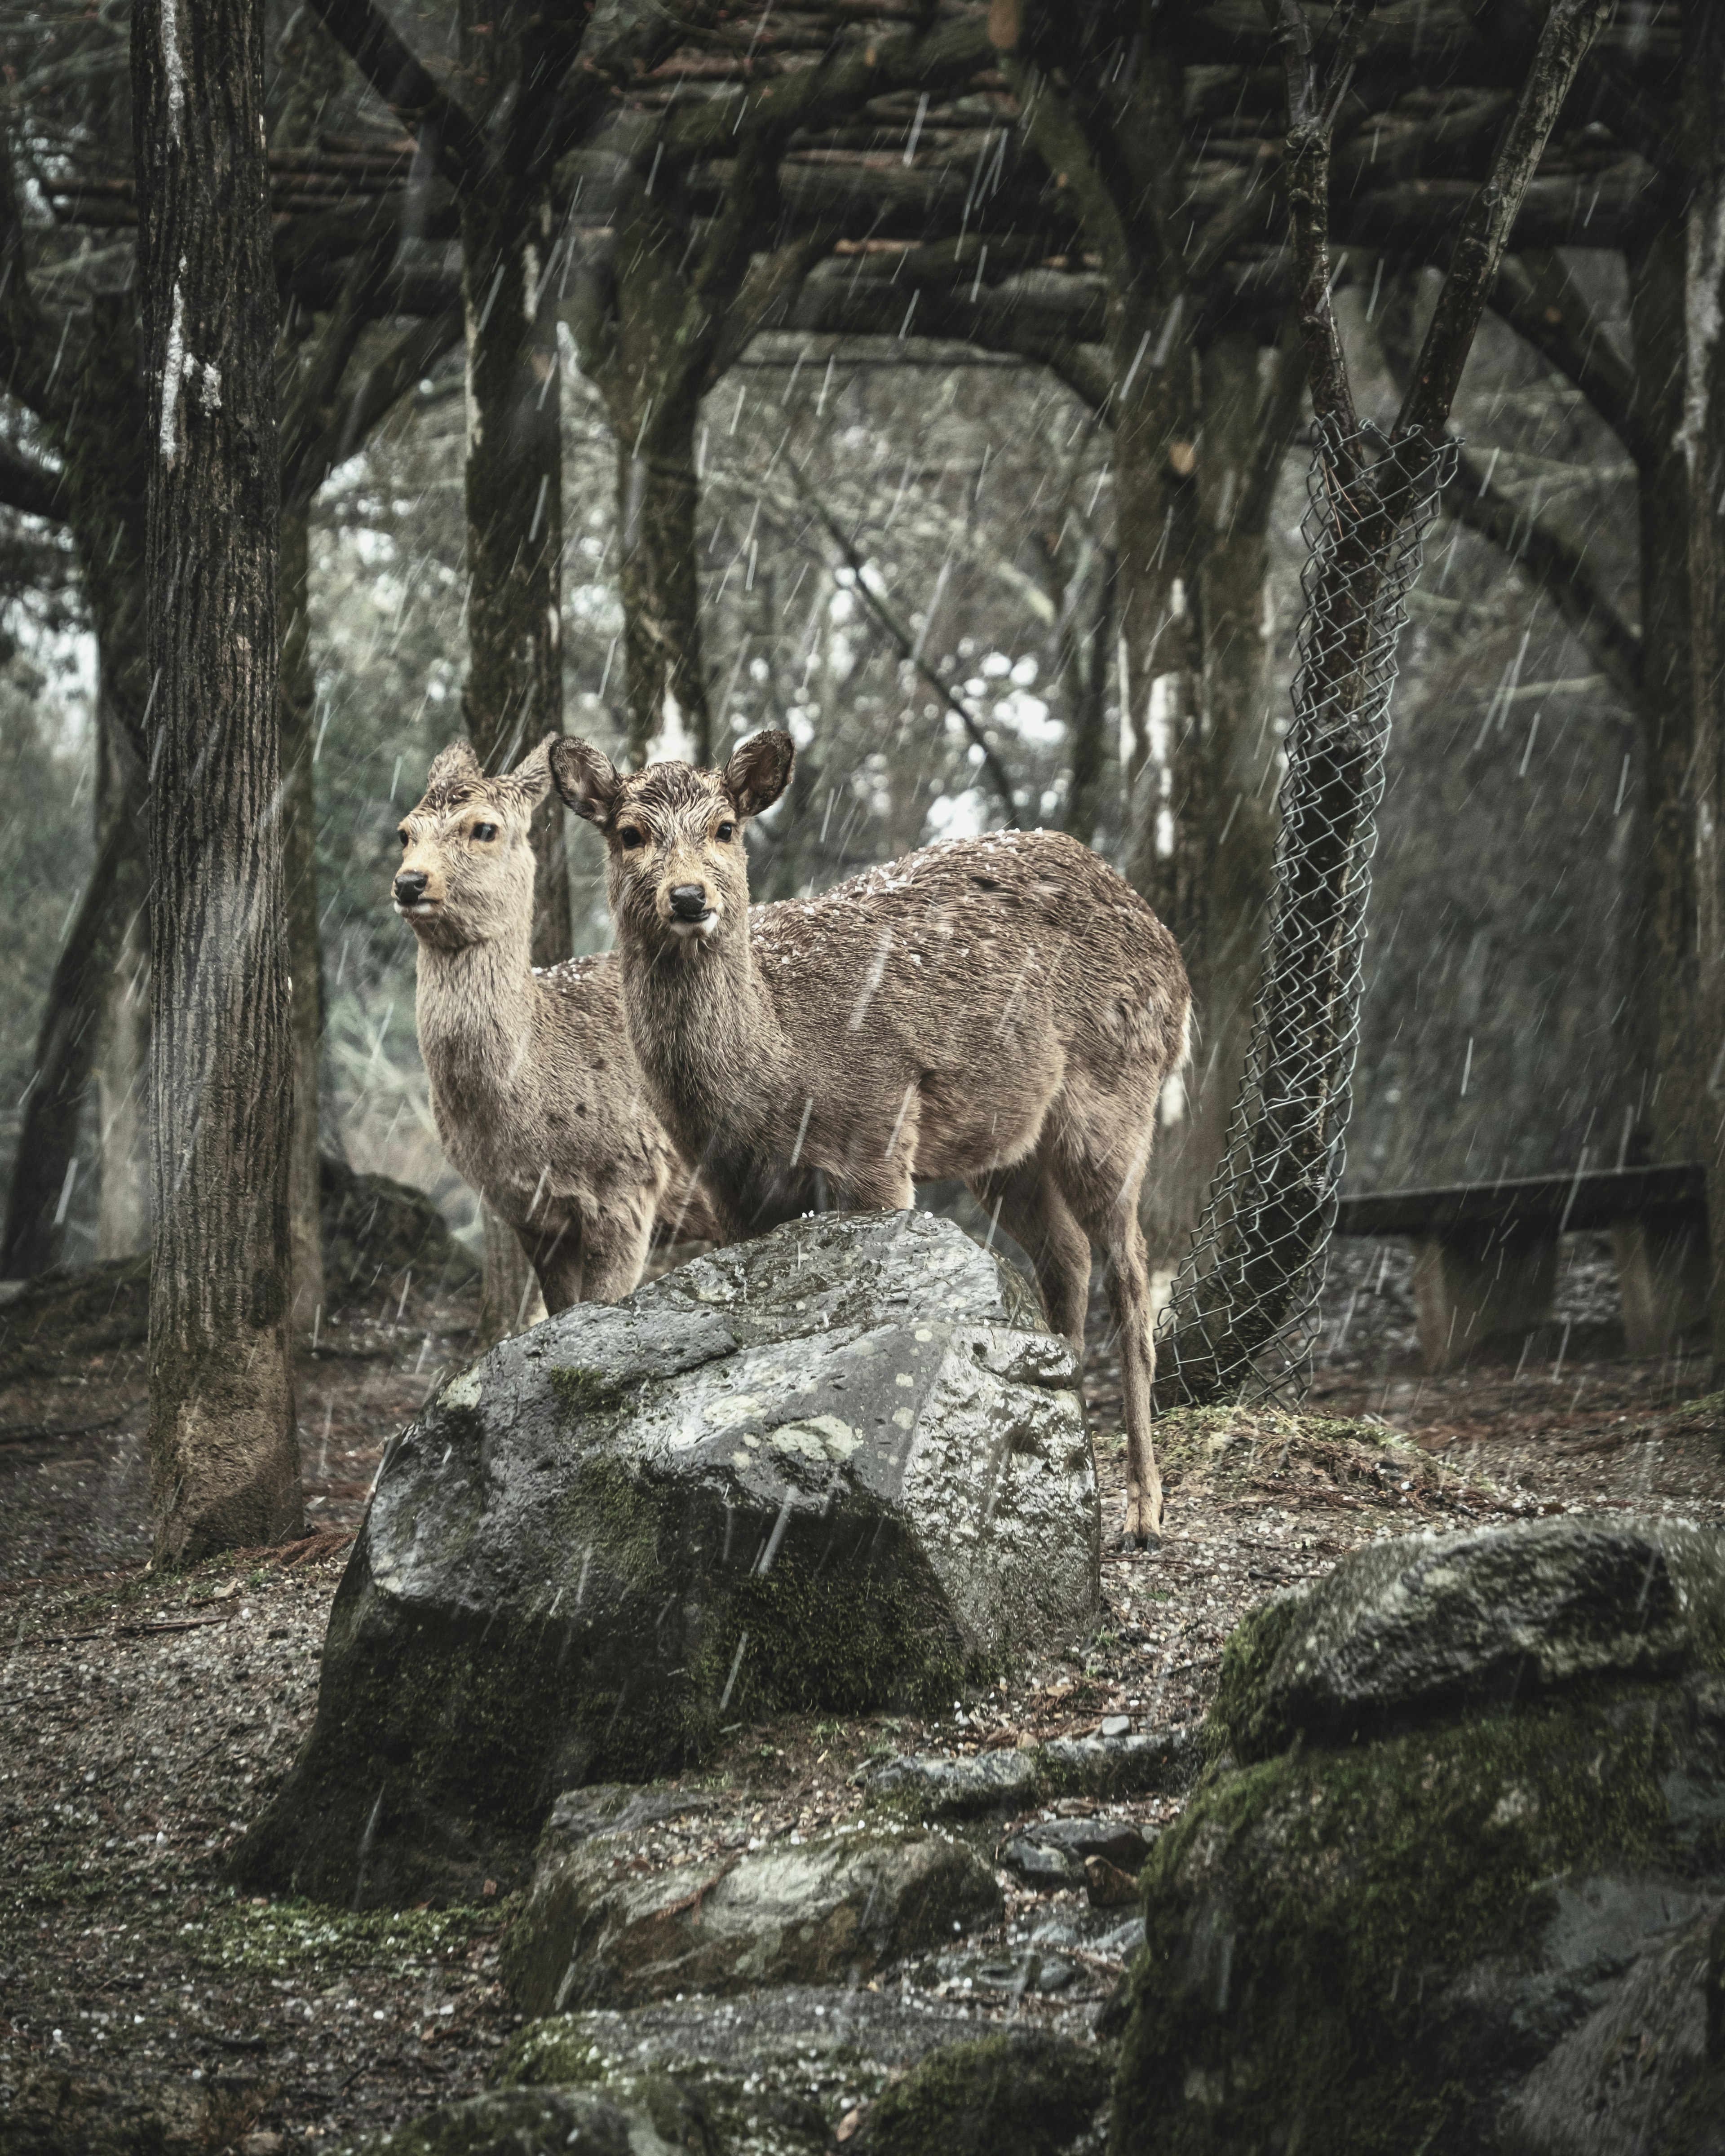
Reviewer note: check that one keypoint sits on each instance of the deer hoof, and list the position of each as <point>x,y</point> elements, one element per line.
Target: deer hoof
<point>1143,1523</point>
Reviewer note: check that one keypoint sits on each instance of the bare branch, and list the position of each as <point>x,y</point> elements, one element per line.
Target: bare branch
<point>407,361</point>
<point>402,81</point>
<point>1570,29</point>
<point>1541,301</point>
<point>1561,572</point>
<point>909,647</point>
<point>25,484</point>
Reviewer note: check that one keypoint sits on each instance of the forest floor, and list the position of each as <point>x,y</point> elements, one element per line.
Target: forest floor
<point>144,1719</point>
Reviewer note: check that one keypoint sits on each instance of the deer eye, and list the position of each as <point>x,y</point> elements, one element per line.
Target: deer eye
<point>725,833</point>
<point>629,837</point>
<point>403,836</point>
<point>485,830</point>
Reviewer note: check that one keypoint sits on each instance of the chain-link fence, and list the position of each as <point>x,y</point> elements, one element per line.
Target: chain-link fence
<point>1241,1321</point>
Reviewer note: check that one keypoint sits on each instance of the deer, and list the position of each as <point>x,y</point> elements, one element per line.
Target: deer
<point>1003,1008</point>
<point>535,1093</point>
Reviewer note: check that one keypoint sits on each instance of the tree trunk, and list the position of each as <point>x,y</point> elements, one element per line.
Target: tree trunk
<point>299,825</point>
<point>225,1465</point>
<point>515,511</point>
<point>1666,966</point>
<point>1248,424</point>
<point>47,1164</point>
<point>1704,445</point>
<point>658,498</point>
<point>515,532</point>
<point>1086,673</point>
<point>123,1072</point>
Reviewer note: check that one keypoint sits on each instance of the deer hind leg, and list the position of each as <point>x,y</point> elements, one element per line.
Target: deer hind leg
<point>1026,1201</point>
<point>554,1251</point>
<point>1105,1198</point>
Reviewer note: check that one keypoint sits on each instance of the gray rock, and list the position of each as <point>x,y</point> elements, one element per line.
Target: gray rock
<point>1051,1852</point>
<point>957,1788</point>
<point>1161,1762</point>
<point>839,1467</point>
<point>830,1910</point>
<point>1164,1761</point>
<point>48,2110</point>
<point>776,2071</point>
<point>1421,1620</point>
<point>548,2122</point>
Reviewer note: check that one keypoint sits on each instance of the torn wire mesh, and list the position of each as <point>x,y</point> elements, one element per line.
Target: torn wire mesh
<point>1241,1322</point>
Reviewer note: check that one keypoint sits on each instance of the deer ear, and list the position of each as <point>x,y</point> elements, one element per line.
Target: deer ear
<point>531,776</point>
<point>759,771</point>
<point>454,766</point>
<point>584,778</point>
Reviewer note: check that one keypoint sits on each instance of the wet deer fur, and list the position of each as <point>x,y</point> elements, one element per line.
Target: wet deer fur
<point>536,1096</point>
<point>1004,1010</point>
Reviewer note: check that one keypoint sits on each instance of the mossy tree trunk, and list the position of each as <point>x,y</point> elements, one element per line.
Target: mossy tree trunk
<point>225,1465</point>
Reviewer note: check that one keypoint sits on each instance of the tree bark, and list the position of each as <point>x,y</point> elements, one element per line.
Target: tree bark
<point>1666,925</point>
<point>1248,426</point>
<point>658,498</point>
<point>298,702</point>
<point>225,1465</point>
<point>1704,445</point>
<point>123,1070</point>
<point>514,693</point>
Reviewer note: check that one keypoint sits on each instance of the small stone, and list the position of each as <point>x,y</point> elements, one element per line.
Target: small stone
<point>1108,1887</point>
<point>1116,1725</point>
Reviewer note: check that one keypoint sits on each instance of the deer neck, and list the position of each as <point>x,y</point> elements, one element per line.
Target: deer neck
<point>705,1033</point>
<point>474,1009</point>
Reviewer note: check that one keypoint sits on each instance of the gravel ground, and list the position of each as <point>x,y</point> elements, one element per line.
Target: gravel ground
<point>144,1720</point>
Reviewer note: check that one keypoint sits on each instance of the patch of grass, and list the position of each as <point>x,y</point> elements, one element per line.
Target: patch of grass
<point>283,1935</point>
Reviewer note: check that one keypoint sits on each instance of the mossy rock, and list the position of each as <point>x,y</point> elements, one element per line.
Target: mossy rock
<point>1014,2094</point>
<point>533,2123</point>
<point>1367,1948</point>
<point>376,1230</point>
<point>830,1471</point>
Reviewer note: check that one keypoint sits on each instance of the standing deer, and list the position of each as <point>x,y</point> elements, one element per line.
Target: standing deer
<point>535,1095</point>
<point>1003,1008</point>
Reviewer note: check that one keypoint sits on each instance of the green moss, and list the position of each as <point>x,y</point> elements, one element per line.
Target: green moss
<point>797,1638</point>
<point>554,2053</point>
<point>1010,2095</point>
<point>1305,1910</point>
<point>289,1935</point>
<point>583,1393</point>
<point>1236,1720</point>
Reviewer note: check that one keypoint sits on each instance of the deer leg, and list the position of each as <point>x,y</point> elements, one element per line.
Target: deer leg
<point>554,1251</point>
<point>1129,1299</point>
<point>614,1242</point>
<point>1027,1202</point>
<point>1104,1197</point>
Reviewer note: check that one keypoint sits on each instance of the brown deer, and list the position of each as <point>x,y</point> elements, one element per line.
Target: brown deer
<point>536,1095</point>
<point>1002,1009</point>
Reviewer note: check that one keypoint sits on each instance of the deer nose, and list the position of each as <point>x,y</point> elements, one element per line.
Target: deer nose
<point>688,902</point>
<point>409,887</point>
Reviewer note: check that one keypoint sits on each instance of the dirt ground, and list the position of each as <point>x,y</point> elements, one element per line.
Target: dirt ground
<point>144,1720</point>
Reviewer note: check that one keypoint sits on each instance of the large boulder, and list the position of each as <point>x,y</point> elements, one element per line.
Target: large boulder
<point>1456,1880</point>
<point>840,1467</point>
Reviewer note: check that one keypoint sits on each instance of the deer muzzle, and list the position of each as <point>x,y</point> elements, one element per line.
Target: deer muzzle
<point>409,891</point>
<point>691,912</point>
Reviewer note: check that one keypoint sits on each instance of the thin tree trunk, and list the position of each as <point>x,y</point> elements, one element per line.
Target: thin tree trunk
<point>1086,672</point>
<point>1704,445</point>
<point>123,1071</point>
<point>224,1466</point>
<point>47,1163</point>
<point>658,498</point>
<point>1248,426</point>
<point>514,694</point>
<point>1667,952</point>
<point>299,691</point>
